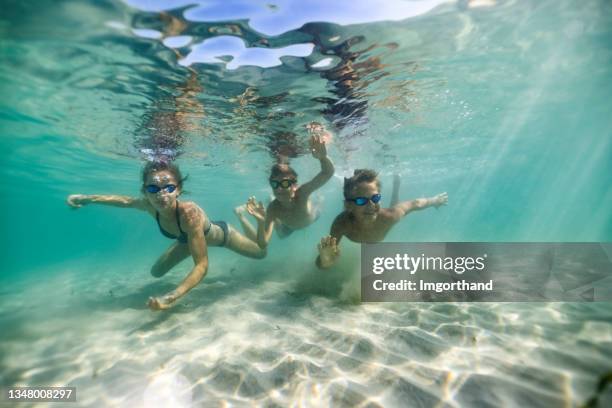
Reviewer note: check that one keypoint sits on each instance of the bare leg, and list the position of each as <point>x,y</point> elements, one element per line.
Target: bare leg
<point>248,229</point>
<point>244,246</point>
<point>395,193</point>
<point>173,255</point>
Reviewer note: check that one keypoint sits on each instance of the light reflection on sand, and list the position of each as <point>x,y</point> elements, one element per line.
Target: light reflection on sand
<point>237,340</point>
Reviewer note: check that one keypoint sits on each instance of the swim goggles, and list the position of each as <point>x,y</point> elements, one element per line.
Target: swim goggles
<point>364,200</point>
<point>285,183</point>
<point>153,189</point>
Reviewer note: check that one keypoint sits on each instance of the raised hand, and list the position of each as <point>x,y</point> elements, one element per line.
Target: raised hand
<point>256,209</point>
<point>317,147</point>
<point>317,129</point>
<point>328,250</point>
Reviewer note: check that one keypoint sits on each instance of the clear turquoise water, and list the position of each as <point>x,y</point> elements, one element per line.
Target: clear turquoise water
<point>505,106</point>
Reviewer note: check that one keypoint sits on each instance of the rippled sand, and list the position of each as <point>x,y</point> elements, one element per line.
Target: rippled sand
<point>248,335</point>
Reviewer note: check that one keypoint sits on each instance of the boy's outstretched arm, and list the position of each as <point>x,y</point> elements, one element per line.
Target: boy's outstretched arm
<point>79,200</point>
<point>406,207</point>
<point>265,221</point>
<point>319,151</point>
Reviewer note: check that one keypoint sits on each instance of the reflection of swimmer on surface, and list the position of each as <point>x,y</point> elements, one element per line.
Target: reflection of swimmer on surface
<point>283,145</point>
<point>163,128</point>
<point>183,221</point>
<point>291,208</point>
<point>319,130</point>
<point>362,219</point>
<point>349,77</point>
<point>256,114</point>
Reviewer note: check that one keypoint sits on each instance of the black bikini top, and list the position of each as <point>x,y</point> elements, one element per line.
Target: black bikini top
<point>181,238</point>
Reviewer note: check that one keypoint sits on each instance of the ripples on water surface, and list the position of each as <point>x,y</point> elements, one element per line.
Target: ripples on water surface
<point>504,104</point>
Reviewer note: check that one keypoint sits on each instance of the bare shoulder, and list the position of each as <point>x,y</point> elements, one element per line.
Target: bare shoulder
<point>191,214</point>
<point>272,208</point>
<point>302,192</point>
<point>390,215</point>
<point>143,204</point>
<point>341,218</point>
<point>341,224</point>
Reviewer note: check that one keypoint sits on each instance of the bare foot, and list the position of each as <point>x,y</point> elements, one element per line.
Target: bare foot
<point>240,210</point>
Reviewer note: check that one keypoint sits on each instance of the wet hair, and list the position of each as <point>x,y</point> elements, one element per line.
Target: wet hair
<point>282,169</point>
<point>154,166</point>
<point>359,176</point>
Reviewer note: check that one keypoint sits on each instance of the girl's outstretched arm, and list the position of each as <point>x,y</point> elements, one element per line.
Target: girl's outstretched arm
<point>194,219</point>
<point>79,200</point>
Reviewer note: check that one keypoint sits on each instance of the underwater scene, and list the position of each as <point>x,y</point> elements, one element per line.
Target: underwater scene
<point>187,185</point>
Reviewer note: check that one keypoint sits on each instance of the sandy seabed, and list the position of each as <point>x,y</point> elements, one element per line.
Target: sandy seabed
<point>268,336</point>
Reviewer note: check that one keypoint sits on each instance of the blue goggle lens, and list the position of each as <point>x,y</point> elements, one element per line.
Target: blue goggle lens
<point>361,201</point>
<point>364,200</point>
<point>153,189</point>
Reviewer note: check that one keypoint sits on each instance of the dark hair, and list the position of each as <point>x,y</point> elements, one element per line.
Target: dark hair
<point>154,166</point>
<point>359,176</point>
<point>281,169</point>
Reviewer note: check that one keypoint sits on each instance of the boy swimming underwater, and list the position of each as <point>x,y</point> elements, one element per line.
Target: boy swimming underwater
<point>291,208</point>
<point>363,220</point>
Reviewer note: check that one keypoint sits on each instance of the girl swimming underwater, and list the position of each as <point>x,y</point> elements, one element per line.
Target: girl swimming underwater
<point>182,221</point>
